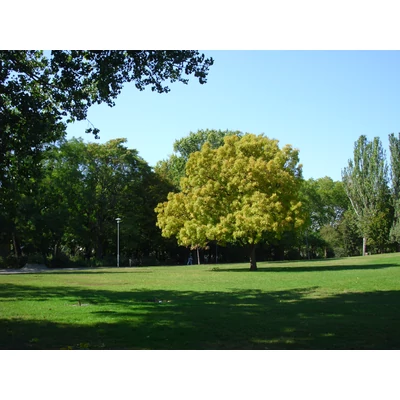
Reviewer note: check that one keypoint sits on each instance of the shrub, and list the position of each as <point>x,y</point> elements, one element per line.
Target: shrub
<point>61,260</point>
<point>36,258</point>
<point>79,261</point>
<point>340,252</point>
<point>107,261</point>
<point>150,261</point>
<point>12,262</point>
<point>292,254</point>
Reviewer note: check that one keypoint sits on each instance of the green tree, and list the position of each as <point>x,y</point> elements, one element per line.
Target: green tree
<point>324,202</point>
<point>394,147</point>
<point>332,241</point>
<point>379,230</point>
<point>83,189</point>
<point>235,194</point>
<point>112,184</point>
<point>173,168</point>
<point>40,94</point>
<point>350,233</point>
<point>366,184</point>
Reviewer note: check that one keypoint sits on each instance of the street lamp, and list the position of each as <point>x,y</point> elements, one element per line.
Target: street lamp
<point>118,221</point>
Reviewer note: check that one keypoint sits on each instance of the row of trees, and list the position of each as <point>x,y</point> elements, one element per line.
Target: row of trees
<point>40,94</point>
<point>226,188</point>
<point>239,192</point>
<point>221,193</point>
<point>71,209</point>
<point>227,194</point>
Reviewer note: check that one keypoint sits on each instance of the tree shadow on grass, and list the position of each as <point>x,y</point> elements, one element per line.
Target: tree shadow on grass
<point>170,319</point>
<point>61,271</point>
<point>308,268</point>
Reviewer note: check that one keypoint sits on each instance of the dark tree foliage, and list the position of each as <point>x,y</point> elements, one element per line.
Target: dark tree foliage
<point>365,181</point>
<point>38,95</point>
<point>83,188</point>
<point>41,93</point>
<point>394,146</point>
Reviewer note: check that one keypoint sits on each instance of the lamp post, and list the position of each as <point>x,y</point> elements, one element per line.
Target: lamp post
<point>118,221</point>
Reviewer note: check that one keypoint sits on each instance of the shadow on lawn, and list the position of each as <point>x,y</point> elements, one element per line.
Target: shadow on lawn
<point>308,268</point>
<point>113,271</point>
<point>77,271</point>
<point>167,319</point>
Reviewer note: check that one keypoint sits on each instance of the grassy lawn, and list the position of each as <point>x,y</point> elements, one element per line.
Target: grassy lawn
<point>349,303</point>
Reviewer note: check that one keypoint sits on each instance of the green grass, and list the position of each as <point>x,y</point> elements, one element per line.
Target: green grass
<point>349,303</point>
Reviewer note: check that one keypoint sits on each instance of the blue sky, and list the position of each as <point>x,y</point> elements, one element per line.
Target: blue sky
<point>318,101</point>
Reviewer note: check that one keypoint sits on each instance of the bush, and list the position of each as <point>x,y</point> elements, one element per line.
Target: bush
<point>36,258</point>
<point>79,261</point>
<point>61,260</point>
<point>292,254</point>
<point>150,261</point>
<point>108,261</point>
<point>340,252</point>
<point>12,262</point>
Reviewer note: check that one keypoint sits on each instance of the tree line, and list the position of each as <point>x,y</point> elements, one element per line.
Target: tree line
<point>40,94</point>
<point>69,214</point>
<point>354,216</point>
<point>226,195</point>
<point>222,195</point>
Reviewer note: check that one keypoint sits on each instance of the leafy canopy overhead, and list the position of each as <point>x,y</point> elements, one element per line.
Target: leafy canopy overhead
<point>40,94</point>
<point>235,194</point>
<point>71,81</point>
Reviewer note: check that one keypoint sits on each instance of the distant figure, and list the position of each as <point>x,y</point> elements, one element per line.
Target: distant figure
<point>190,260</point>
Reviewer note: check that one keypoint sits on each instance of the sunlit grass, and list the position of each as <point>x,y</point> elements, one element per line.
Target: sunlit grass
<point>349,303</point>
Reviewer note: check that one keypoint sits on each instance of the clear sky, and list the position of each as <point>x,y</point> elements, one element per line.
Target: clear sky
<point>318,101</point>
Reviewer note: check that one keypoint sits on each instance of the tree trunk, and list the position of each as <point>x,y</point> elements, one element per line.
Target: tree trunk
<point>99,249</point>
<point>307,248</point>
<point>253,263</point>
<point>56,250</point>
<point>364,249</point>
<point>198,257</point>
<point>16,245</point>
<point>88,252</point>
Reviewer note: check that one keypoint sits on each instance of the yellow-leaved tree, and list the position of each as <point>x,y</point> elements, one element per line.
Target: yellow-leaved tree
<point>235,194</point>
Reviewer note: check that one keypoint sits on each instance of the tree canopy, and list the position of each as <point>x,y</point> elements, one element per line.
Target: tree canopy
<point>235,193</point>
<point>73,206</point>
<point>394,147</point>
<point>365,181</point>
<point>173,168</point>
<point>39,95</point>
